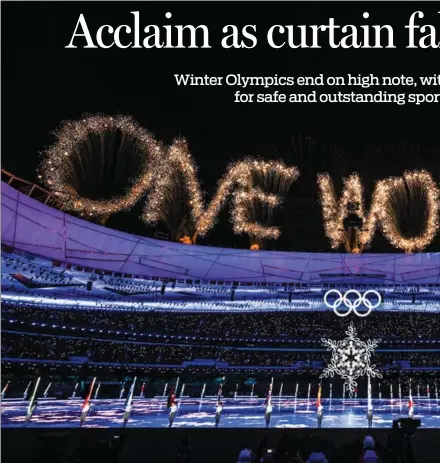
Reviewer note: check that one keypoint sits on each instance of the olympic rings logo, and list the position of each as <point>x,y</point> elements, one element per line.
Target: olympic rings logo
<point>352,304</point>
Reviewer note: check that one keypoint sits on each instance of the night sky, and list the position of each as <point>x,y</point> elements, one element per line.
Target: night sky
<point>43,83</point>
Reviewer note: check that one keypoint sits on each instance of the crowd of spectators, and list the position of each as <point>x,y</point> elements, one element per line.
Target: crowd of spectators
<point>273,326</point>
<point>397,448</point>
<point>55,347</point>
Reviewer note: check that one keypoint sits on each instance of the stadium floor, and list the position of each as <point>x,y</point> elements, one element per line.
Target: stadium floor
<point>237,413</point>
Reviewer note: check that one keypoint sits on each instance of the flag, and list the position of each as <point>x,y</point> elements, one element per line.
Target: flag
<point>128,402</point>
<point>5,389</point>
<point>171,398</point>
<point>129,399</point>
<point>269,393</point>
<point>86,404</point>
<point>89,395</point>
<point>33,402</point>
<point>318,402</point>
<point>410,404</point>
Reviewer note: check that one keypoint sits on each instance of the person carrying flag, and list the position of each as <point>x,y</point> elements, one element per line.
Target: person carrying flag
<point>218,412</point>
<point>87,404</point>
<point>268,412</point>
<point>220,391</point>
<point>410,404</point>
<point>410,408</point>
<point>171,398</point>
<point>173,412</point>
<point>85,411</point>
<point>219,408</point>
<point>5,389</point>
<point>370,406</point>
<point>33,403</point>
<point>320,408</point>
<point>172,405</point>
<point>31,410</point>
<point>26,391</point>
<point>370,415</point>
<point>141,395</point>
<point>268,405</point>
<point>129,403</point>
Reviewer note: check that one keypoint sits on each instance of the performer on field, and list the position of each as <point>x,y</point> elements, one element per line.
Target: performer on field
<point>31,410</point>
<point>370,405</point>
<point>33,403</point>
<point>87,405</point>
<point>319,415</point>
<point>173,412</point>
<point>411,408</point>
<point>268,405</point>
<point>171,398</point>
<point>85,411</point>
<point>370,416</point>
<point>320,408</point>
<point>268,413</point>
<point>5,389</point>
<point>410,404</point>
<point>218,413</point>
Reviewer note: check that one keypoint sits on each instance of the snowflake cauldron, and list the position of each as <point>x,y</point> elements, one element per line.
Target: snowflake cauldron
<point>351,359</point>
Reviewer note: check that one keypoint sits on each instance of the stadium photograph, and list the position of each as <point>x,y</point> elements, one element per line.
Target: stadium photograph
<point>176,260</point>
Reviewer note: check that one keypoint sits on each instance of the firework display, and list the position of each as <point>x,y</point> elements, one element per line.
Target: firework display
<point>167,203</point>
<point>417,182</point>
<point>82,147</point>
<point>238,181</point>
<point>383,212</point>
<point>179,163</point>
<point>190,336</point>
<point>96,148</point>
<point>252,205</point>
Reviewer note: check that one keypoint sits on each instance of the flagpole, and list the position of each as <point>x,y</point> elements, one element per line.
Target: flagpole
<point>47,391</point>
<point>370,405</point>
<point>219,393</point>
<point>5,389</point>
<point>141,395</point>
<point>26,391</point>
<point>85,408</point>
<point>74,391</point>
<point>121,394</point>
<point>128,403</point>
<point>31,407</point>
<point>318,402</point>
<point>97,390</point>
<point>268,404</point>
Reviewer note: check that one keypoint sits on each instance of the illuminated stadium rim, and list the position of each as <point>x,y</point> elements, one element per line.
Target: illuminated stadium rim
<point>135,261</point>
<point>87,274</point>
<point>77,271</point>
<point>206,306</point>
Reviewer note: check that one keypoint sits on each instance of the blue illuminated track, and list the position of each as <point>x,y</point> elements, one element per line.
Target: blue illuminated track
<point>237,413</point>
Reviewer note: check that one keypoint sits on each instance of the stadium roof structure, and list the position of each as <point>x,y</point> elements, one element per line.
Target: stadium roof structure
<point>31,226</point>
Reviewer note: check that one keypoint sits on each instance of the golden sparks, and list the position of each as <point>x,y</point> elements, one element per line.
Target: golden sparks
<point>57,166</point>
<point>382,212</point>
